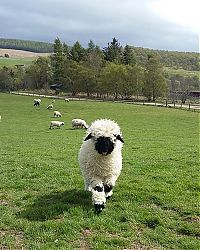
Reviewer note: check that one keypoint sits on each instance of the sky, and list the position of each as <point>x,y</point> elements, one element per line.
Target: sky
<point>157,24</point>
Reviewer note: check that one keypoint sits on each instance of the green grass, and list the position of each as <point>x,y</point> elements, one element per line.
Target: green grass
<point>43,205</point>
<point>11,62</point>
<point>181,72</point>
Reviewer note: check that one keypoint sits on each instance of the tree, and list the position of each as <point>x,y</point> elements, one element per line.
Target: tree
<point>77,52</point>
<point>40,73</point>
<point>113,52</point>
<point>6,81</point>
<point>155,84</point>
<point>113,79</point>
<point>58,61</point>
<point>129,56</point>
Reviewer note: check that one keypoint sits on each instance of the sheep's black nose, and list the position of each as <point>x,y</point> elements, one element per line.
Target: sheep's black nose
<point>104,145</point>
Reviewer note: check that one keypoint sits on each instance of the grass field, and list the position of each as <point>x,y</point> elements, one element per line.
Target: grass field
<point>181,72</point>
<point>43,205</point>
<point>11,62</point>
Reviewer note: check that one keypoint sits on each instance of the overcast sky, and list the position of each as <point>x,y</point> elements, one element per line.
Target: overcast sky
<point>157,24</point>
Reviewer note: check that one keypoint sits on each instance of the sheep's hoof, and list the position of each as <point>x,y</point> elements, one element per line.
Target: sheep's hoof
<point>99,208</point>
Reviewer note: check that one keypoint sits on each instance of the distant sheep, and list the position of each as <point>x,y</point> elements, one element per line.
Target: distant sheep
<point>36,102</point>
<point>66,100</point>
<point>57,114</point>
<point>57,124</point>
<point>50,106</point>
<point>100,160</point>
<point>79,123</point>
<point>0,117</point>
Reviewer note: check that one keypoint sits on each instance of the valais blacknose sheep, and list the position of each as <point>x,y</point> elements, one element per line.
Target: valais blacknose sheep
<point>100,160</point>
<point>36,102</point>
<point>79,123</point>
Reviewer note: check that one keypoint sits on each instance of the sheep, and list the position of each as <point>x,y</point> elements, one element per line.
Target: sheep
<point>57,114</point>
<point>0,117</point>
<point>79,123</point>
<point>50,106</point>
<point>66,100</point>
<point>57,124</point>
<point>100,160</point>
<point>36,102</point>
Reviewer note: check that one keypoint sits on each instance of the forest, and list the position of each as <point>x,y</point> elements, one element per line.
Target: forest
<point>112,72</point>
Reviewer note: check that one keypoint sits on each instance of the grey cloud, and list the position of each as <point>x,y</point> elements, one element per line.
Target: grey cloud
<point>131,21</point>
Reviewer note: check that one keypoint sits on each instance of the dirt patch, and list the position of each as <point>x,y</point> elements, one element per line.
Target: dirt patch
<point>16,235</point>
<point>13,53</point>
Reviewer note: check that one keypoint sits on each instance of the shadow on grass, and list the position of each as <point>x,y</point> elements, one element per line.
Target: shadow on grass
<point>50,206</point>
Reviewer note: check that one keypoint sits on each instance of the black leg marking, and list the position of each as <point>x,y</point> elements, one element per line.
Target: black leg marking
<point>99,208</point>
<point>107,188</point>
<point>98,188</point>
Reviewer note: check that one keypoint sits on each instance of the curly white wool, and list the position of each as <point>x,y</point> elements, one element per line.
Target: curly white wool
<point>57,114</point>
<point>79,123</point>
<point>99,170</point>
<point>57,124</point>
<point>50,106</point>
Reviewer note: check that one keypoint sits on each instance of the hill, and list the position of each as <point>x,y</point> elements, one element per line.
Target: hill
<point>33,46</point>
<point>21,53</point>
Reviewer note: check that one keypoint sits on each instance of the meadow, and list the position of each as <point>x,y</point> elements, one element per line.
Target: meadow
<point>11,62</point>
<point>42,198</point>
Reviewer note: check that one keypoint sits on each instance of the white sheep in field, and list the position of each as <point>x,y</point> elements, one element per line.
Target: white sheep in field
<point>0,117</point>
<point>57,124</point>
<point>50,106</point>
<point>100,160</point>
<point>57,114</point>
<point>66,100</point>
<point>79,123</point>
<point>36,102</point>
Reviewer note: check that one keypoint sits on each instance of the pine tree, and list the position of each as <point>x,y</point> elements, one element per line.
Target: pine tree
<point>113,52</point>
<point>129,56</point>
<point>77,52</point>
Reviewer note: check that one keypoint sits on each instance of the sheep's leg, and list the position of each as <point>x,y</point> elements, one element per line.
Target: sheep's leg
<point>98,195</point>
<point>108,186</point>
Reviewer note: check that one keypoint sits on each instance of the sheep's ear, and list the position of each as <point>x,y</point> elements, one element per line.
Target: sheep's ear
<point>118,137</point>
<point>88,137</point>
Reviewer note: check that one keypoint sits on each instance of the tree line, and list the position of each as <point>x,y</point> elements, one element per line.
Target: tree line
<point>172,59</point>
<point>113,71</point>
<point>32,46</point>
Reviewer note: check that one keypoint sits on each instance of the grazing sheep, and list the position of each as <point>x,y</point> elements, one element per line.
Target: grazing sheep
<point>79,123</point>
<point>56,124</point>
<point>50,106</point>
<point>36,102</point>
<point>57,114</point>
<point>100,160</point>
<point>66,100</point>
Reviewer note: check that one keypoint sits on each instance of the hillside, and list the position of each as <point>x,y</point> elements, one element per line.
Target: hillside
<point>21,53</point>
<point>33,46</point>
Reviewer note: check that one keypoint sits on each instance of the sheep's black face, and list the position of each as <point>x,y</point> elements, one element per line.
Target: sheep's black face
<point>104,145</point>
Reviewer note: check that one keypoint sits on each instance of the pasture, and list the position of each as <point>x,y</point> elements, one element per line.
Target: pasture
<point>11,62</point>
<point>43,204</point>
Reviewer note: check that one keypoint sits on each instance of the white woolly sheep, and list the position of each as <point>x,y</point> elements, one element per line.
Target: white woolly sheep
<point>79,123</point>
<point>50,106</point>
<point>66,100</point>
<point>57,124</point>
<point>37,102</point>
<point>57,114</point>
<point>100,160</point>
